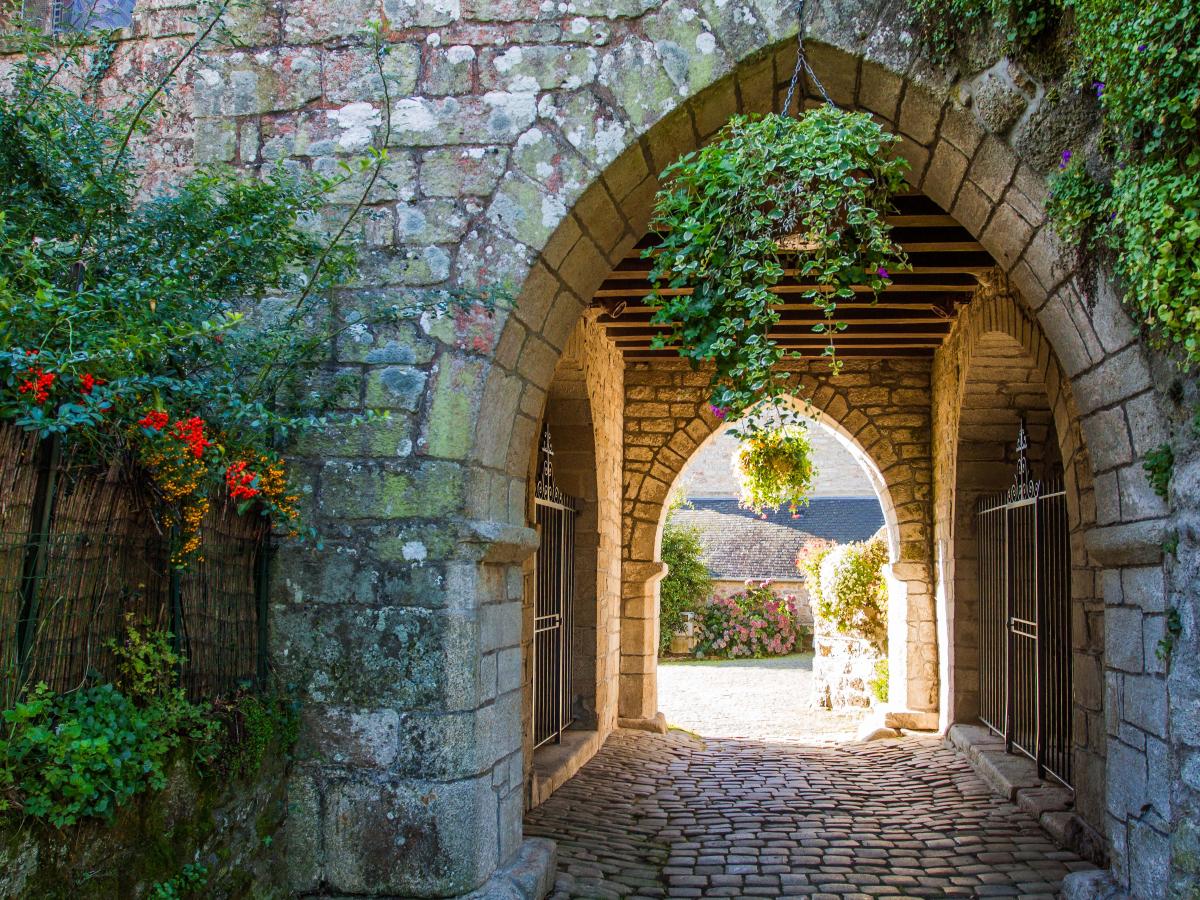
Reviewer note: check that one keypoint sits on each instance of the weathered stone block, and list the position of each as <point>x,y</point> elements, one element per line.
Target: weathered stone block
<point>413,838</point>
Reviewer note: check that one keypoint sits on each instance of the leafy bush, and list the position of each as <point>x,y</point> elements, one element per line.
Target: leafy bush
<point>849,592</point>
<point>774,466</point>
<point>878,685</point>
<point>827,176</point>
<point>66,757</point>
<point>179,328</point>
<point>756,623</point>
<point>686,583</point>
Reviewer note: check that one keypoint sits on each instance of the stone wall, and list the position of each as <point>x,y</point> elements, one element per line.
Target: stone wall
<point>881,406</point>
<point>995,369</point>
<point>843,669</point>
<point>230,828</point>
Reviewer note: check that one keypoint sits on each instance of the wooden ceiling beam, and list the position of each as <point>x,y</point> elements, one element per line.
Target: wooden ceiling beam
<point>638,355</point>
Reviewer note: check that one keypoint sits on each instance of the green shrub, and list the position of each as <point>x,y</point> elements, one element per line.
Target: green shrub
<point>847,584</point>
<point>878,685</point>
<point>686,584</point>
<point>65,757</point>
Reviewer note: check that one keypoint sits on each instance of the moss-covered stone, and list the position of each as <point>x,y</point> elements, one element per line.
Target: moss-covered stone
<point>229,827</point>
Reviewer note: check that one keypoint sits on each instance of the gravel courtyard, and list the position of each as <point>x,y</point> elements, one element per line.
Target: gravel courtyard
<point>758,699</point>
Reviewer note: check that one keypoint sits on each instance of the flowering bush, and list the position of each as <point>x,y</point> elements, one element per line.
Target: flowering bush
<point>179,329</point>
<point>847,586</point>
<point>755,623</point>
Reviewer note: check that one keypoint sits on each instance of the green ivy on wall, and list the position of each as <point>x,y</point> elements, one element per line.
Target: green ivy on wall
<point>1136,201</point>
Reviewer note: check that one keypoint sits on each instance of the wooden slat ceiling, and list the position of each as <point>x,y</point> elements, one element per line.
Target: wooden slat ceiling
<point>911,318</point>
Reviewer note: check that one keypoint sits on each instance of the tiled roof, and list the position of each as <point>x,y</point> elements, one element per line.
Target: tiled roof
<point>740,544</point>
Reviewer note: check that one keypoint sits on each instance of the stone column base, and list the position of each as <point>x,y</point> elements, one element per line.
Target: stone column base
<point>910,719</point>
<point>1097,884</point>
<point>656,723</point>
<point>530,875</point>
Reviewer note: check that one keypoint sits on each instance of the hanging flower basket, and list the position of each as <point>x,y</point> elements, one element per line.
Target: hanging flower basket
<point>772,197</point>
<point>774,467</point>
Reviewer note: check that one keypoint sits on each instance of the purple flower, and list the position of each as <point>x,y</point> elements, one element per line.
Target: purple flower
<point>882,272</point>
<point>719,411</point>
<point>1141,48</point>
<point>1066,158</point>
<point>1099,86</point>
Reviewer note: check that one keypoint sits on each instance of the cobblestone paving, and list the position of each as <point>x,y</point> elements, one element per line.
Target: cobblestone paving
<point>673,816</point>
<point>761,699</point>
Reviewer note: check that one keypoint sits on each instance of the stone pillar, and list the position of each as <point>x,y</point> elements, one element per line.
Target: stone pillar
<point>638,701</point>
<point>410,780</point>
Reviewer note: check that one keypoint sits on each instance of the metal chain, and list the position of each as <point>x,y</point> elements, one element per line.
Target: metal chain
<point>802,65</point>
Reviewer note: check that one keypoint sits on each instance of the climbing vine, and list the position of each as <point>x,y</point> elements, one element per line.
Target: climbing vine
<point>1137,200</point>
<point>820,184</point>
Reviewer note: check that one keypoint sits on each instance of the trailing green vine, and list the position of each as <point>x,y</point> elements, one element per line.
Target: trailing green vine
<point>1138,200</point>
<point>825,180</point>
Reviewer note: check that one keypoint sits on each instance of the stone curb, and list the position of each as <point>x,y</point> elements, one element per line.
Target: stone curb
<point>1015,778</point>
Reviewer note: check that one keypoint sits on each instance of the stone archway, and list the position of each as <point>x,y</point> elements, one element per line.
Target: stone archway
<point>997,366</point>
<point>879,406</point>
<point>975,175</point>
<point>527,149</point>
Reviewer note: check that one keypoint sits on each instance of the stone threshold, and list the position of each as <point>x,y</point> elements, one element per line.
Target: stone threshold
<point>529,875</point>
<point>1015,777</point>
<point>554,764</point>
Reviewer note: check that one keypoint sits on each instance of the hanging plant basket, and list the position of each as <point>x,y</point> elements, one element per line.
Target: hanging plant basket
<point>774,467</point>
<point>772,197</point>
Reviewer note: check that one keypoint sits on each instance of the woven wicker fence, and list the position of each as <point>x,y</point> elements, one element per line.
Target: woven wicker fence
<point>79,548</point>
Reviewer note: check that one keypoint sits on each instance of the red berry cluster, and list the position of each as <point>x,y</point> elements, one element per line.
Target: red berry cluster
<point>155,420</point>
<point>88,382</point>
<point>240,481</point>
<point>38,383</point>
<point>191,432</point>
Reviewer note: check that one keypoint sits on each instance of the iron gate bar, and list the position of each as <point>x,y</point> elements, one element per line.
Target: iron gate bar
<point>554,589</point>
<point>1024,620</point>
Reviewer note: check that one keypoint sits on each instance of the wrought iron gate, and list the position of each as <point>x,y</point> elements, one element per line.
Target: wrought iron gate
<point>554,598</point>
<point>1024,618</point>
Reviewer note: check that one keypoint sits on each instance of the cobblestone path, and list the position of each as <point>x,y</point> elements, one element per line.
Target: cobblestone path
<point>673,816</point>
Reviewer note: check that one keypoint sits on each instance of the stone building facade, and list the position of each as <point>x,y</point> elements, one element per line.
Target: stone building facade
<point>525,141</point>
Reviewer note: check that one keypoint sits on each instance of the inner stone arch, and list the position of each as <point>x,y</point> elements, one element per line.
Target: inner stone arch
<point>882,486</point>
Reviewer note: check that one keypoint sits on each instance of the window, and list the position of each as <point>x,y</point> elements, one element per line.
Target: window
<point>80,15</point>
